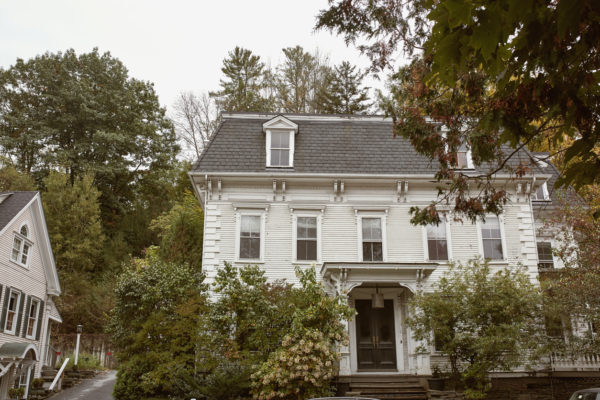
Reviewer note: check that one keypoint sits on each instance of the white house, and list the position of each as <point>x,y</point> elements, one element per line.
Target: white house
<point>28,283</point>
<point>294,189</point>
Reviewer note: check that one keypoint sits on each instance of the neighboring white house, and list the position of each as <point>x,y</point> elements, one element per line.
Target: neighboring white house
<point>335,191</point>
<point>28,283</point>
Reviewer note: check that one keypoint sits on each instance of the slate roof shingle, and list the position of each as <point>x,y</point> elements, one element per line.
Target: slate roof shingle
<point>322,145</point>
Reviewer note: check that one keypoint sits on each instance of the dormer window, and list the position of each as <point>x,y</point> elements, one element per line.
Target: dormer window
<point>21,246</point>
<point>279,141</point>
<point>541,194</point>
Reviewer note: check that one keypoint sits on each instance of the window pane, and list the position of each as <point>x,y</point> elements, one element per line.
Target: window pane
<point>371,229</point>
<point>307,227</point>
<point>490,229</point>
<point>436,231</point>
<point>24,230</point>
<point>438,249</point>
<point>284,158</point>
<point>275,157</point>
<point>492,249</point>
<point>284,140</point>
<point>307,250</point>
<point>461,159</point>
<point>544,251</point>
<point>250,225</point>
<point>275,140</point>
<point>377,251</point>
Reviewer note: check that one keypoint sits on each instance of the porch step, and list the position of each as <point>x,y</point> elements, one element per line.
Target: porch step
<point>387,387</point>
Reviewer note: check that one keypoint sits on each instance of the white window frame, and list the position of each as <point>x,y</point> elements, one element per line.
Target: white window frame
<point>238,229</point>
<point>468,155</point>
<point>383,217</point>
<point>544,190</point>
<point>291,150</point>
<point>295,216</point>
<point>502,238</point>
<point>448,242</point>
<point>13,331</point>
<point>25,241</point>
<point>35,302</point>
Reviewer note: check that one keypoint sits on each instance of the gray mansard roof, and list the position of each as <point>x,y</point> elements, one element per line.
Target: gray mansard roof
<point>324,144</point>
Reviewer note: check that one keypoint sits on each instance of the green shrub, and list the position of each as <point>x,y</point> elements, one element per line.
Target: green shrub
<point>85,361</point>
<point>16,393</point>
<point>37,383</point>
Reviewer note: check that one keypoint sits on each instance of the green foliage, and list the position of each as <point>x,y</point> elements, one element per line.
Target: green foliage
<point>85,361</point>
<point>301,79</point>
<point>482,320</point>
<point>13,180</point>
<point>244,83</point>
<point>16,393</point>
<point>498,75</point>
<point>83,113</point>
<point>344,93</point>
<point>156,326</point>
<point>180,230</point>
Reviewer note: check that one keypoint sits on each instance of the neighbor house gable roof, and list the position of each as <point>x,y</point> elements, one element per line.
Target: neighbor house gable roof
<point>12,206</point>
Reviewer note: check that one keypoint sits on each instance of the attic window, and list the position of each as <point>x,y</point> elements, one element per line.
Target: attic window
<point>541,194</point>
<point>21,246</point>
<point>279,142</point>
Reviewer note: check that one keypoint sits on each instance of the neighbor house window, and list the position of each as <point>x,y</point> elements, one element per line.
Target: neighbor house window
<point>280,149</point>
<point>541,194</point>
<point>21,246</point>
<point>372,242</point>
<point>306,243</point>
<point>437,245</point>
<point>546,260</point>
<point>250,237</point>
<point>14,300</point>
<point>492,238</point>
<point>32,318</point>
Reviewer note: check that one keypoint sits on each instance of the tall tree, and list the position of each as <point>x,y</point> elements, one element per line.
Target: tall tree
<point>498,75</point>
<point>72,213</point>
<point>196,118</point>
<point>11,179</point>
<point>83,113</point>
<point>301,77</point>
<point>344,92</point>
<point>242,88</point>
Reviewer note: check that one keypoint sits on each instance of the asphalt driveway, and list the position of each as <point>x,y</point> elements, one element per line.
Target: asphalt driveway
<point>98,388</point>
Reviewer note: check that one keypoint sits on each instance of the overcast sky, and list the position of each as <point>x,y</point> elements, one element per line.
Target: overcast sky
<point>179,45</point>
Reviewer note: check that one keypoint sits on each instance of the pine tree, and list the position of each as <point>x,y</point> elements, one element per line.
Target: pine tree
<point>300,78</point>
<point>344,93</point>
<point>244,83</point>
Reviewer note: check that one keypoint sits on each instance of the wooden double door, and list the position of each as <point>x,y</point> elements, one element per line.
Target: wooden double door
<point>375,336</point>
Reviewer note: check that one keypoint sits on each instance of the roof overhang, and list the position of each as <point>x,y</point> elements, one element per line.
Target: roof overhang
<point>14,351</point>
<point>376,266</point>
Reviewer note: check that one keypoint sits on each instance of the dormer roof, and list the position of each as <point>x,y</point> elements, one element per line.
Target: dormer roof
<point>280,122</point>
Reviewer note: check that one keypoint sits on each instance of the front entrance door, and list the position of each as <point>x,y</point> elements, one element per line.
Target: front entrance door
<point>375,338</point>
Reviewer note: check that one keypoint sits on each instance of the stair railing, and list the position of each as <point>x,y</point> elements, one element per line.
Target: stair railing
<point>58,374</point>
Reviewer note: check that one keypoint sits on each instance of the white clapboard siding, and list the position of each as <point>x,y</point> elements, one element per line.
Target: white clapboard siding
<point>30,281</point>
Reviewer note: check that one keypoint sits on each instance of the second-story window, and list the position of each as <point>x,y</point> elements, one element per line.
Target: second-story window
<point>250,237</point>
<point>32,318</point>
<point>21,247</point>
<point>437,244</point>
<point>372,242</point>
<point>492,238</point>
<point>306,239</point>
<point>546,261</point>
<point>14,300</point>
<point>280,149</point>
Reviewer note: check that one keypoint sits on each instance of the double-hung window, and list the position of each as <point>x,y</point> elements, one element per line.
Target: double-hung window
<point>32,318</point>
<point>541,194</point>
<point>437,243</point>
<point>250,237</point>
<point>372,241</point>
<point>280,149</point>
<point>491,236</point>
<point>14,300</point>
<point>21,247</point>
<point>545,258</point>
<point>306,239</point>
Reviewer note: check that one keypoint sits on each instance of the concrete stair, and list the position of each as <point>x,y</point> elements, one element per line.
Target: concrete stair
<point>387,387</point>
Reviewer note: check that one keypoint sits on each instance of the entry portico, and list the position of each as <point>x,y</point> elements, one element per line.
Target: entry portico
<point>380,340</point>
